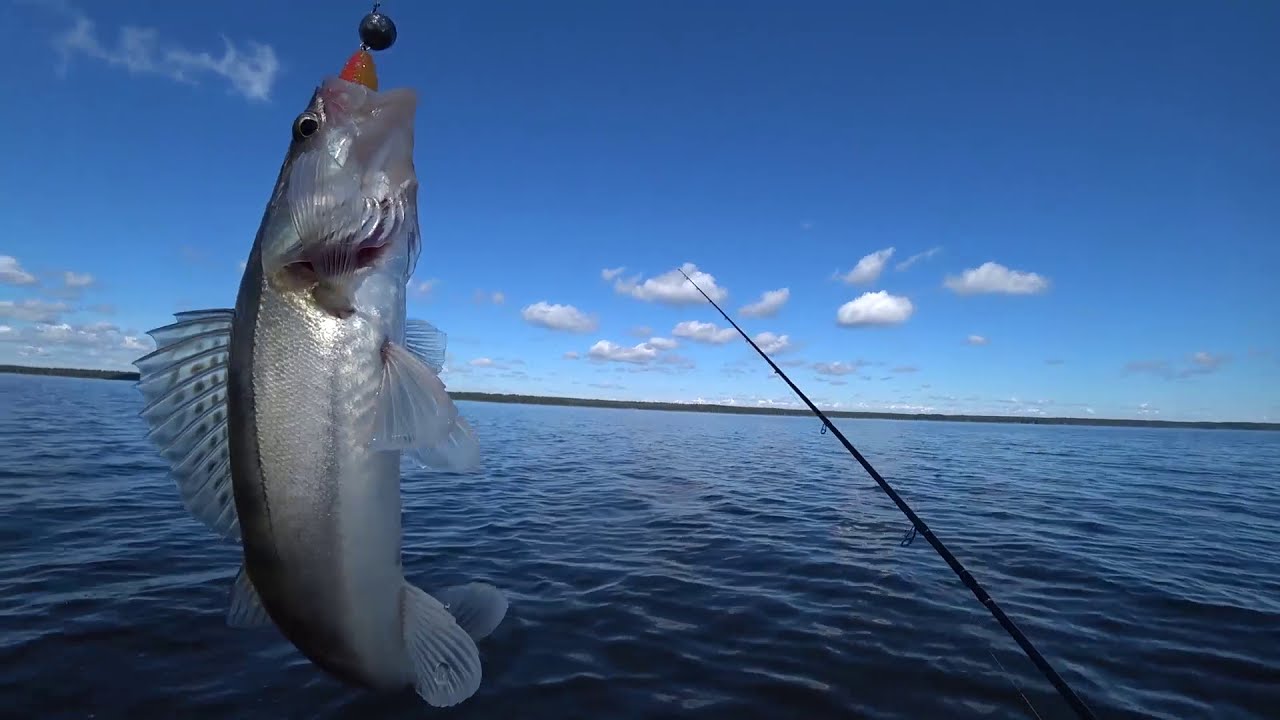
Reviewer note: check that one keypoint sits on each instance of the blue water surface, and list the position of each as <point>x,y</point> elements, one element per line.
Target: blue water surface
<point>664,564</point>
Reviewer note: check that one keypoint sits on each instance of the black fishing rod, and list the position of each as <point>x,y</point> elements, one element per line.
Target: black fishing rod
<point>919,525</point>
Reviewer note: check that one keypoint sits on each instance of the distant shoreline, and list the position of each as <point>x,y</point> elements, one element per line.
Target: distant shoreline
<point>730,409</point>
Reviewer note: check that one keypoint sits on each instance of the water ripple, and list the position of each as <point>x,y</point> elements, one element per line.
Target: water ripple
<point>671,564</point>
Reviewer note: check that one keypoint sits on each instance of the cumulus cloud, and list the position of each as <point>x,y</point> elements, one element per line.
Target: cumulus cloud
<point>608,274</point>
<point>704,332</point>
<point>424,287</point>
<point>249,70</point>
<point>559,317</point>
<point>772,342</point>
<point>605,350</point>
<point>100,345</point>
<point>768,305</point>
<point>837,368</point>
<point>663,343</point>
<point>1206,362</point>
<point>868,268</point>
<point>671,288</point>
<point>11,272</point>
<point>76,280</point>
<point>976,340</point>
<point>918,257</point>
<point>994,278</point>
<point>572,355</point>
<point>39,311</point>
<point>1199,363</point>
<point>875,309</point>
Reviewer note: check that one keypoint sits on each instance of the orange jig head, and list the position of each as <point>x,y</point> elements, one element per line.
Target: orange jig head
<point>360,69</point>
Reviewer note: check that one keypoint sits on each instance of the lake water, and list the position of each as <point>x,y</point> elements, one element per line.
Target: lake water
<point>680,565</point>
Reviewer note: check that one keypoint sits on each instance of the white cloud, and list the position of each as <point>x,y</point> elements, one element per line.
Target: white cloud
<point>918,257</point>
<point>482,297</point>
<point>663,343</point>
<point>572,355</point>
<point>610,273</point>
<point>672,288</point>
<point>424,287</point>
<point>976,340</point>
<point>11,272</point>
<point>836,368</point>
<point>868,268</point>
<point>1206,362</point>
<point>992,277</point>
<point>77,280</point>
<point>99,344</point>
<point>704,332</point>
<point>772,342</point>
<point>482,362</point>
<point>611,352</point>
<point>768,304</point>
<point>1200,363</point>
<point>250,70</point>
<point>40,311</point>
<point>559,317</point>
<point>875,308</point>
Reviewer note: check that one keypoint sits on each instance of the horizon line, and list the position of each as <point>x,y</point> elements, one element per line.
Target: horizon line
<point>718,408</point>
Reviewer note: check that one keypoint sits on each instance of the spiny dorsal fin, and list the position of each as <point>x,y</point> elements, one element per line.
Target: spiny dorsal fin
<point>184,383</point>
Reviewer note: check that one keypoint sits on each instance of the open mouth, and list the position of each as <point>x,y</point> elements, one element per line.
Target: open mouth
<point>338,261</point>
<point>360,250</point>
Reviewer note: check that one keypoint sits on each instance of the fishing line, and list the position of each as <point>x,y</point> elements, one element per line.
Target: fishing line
<point>1021,694</point>
<point>919,525</point>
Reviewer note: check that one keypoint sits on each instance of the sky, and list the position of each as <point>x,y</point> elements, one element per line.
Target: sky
<point>992,207</point>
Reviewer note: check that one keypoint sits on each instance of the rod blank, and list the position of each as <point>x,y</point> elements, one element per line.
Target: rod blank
<point>965,576</point>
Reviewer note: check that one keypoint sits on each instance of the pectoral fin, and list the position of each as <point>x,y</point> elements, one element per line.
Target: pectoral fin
<point>427,342</point>
<point>415,415</point>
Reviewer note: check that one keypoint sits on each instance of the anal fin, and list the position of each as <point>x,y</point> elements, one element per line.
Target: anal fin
<point>477,607</point>
<point>184,385</point>
<point>444,658</point>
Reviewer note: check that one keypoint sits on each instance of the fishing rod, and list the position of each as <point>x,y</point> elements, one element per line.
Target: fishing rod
<point>919,526</point>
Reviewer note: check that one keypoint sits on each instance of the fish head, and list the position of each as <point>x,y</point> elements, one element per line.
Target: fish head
<point>345,205</point>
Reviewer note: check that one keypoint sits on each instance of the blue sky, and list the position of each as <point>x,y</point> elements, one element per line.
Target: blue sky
<point>1080,202</point>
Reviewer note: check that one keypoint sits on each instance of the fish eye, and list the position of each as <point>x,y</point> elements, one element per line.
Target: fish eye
<point>305,125</point>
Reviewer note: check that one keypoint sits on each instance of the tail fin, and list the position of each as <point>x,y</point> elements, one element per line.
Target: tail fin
<point>444,658</point>
<point>478,607</point>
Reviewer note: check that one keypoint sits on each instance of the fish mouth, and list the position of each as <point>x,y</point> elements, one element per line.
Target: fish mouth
<point>337,261</point>
<point>345,254</point>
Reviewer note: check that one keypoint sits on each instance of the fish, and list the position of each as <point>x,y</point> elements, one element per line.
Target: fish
<point>284,419</point>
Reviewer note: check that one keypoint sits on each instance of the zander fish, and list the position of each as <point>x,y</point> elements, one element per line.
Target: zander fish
<point>284,419</point>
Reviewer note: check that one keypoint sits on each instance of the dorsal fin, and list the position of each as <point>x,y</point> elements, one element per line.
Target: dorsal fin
<point>184,383</point>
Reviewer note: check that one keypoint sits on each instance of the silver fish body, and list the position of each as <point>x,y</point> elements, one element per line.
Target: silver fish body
<point>285,419</point>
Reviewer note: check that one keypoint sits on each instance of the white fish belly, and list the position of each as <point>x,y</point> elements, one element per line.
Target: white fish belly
<point>333,507</point>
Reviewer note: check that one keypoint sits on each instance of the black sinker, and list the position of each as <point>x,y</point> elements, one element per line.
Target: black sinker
<point>377,31</point>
